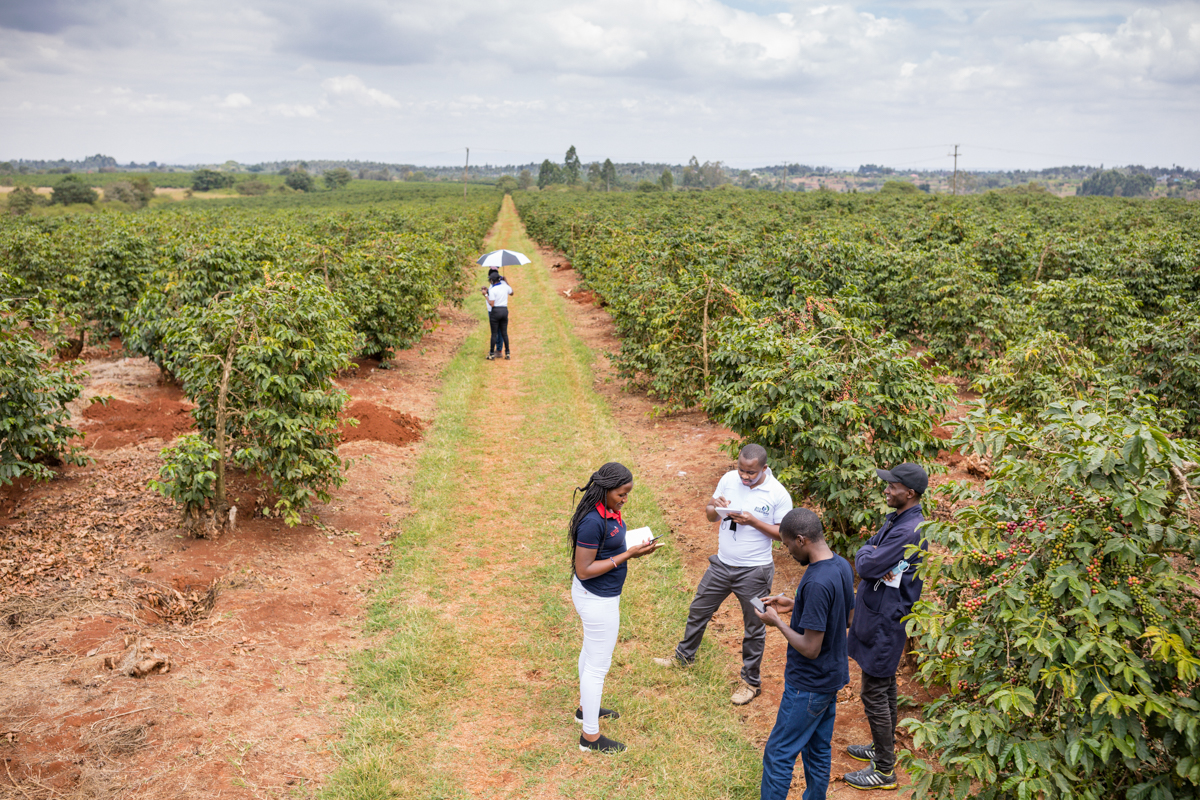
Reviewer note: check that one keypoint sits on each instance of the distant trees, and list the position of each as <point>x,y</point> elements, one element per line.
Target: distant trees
<point>708,175</point>
<point>24,199</point>
<point>608,173</point>
<point>667,180</point>
<point>525,180</point>
<point>507,184</point>
<point>337,177</point>
<point>205,180</point>
<point>549,173</point>
<point>691,174</point>
<point>1116,184</point>
<point>253,187</point>
<point>135,194</point>
<point>300,180</point>
<point>571,166</point>
<point>73,189</point>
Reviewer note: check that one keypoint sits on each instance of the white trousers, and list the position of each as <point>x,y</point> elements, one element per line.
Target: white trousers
<point>601,618</point>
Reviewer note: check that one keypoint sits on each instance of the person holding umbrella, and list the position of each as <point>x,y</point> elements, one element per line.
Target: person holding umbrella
<point>493,347</point>
<point>496,294</point>
<point>497,299</point>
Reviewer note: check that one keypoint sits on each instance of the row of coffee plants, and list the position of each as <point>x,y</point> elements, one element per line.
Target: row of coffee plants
<point>1061,614</point>
<point>1060,619</point>
<point>971,282</point>
<point>253,312</point>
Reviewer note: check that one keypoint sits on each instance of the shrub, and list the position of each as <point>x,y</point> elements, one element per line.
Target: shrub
<point>205,180</point>
<point>253,187</point>
<point>1057,615</point>
<point>189,477</point>
<point>194,272</point>
<point>24,199</point>
<point>1165,357</point>
<point>1044,368</point>
<point>134,194</point>
<point>831,401</point>
<point>392,285</point>
<point>73,189</point>
<point>1096,314</point>
<point>300,180</point>
<point>259,364</point>
<point>34,389</point>
<point>337,177</point>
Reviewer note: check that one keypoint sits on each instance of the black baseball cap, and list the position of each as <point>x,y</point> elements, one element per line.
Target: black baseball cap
<point>911,475</point>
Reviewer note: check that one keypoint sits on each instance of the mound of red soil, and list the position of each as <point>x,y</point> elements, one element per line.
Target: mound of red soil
<point>118,422</point>
<point>584,297</point>
<point>380,424</point>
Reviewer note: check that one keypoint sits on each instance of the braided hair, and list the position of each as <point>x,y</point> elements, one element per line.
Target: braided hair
<point>609,476</point>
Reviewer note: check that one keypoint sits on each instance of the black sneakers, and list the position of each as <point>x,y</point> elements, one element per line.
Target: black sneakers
<point>862,752</point>
<point>601,745</point>
<point>605,713</point>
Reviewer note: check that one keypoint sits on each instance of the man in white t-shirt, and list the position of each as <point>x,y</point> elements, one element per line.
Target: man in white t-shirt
<point>743,564</point>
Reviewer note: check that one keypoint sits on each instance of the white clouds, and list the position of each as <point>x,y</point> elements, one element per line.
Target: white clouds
<point>294,110</point>
<point>1150,45</point>
<point>351,88</point>
<point>715,77</point>
<point>235,100</point>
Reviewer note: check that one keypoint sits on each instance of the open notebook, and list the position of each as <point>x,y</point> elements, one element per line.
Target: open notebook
<point>638,536</point>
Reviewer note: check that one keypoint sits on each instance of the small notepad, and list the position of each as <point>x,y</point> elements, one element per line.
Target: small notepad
<point>638,536</point>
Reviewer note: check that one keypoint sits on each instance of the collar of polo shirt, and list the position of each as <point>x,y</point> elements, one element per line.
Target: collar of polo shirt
<point>606,513</point>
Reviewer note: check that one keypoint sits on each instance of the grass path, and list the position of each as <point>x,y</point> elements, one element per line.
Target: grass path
<point>470,688</point>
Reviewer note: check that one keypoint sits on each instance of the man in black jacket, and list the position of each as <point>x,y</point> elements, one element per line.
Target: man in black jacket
<point>877,636</point>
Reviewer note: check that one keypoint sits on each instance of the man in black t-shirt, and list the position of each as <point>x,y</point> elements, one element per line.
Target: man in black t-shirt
<point>817,665</point>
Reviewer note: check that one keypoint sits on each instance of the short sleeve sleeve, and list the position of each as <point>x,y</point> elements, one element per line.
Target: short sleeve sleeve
<point>590,532</point>
<point>782,506</point>
<point>818,600</point>
<point>722,486</point>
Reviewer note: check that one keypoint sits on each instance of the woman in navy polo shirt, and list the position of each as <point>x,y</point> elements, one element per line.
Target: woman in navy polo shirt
<point>599,560</point>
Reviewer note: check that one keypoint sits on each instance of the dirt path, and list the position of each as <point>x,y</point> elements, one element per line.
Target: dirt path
<point>478,607</point>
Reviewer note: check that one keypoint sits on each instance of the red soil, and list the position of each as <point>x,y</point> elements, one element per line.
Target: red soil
<point>380,424</point>
<point>116,423</point>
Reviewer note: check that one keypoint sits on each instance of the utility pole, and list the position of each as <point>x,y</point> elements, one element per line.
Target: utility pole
<point>465,166</point>
<point>955,184</point>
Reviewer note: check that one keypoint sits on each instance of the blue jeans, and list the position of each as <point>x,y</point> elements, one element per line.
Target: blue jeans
<point>803,727</point>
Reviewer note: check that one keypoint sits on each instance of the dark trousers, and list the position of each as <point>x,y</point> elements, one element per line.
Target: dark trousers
<point>498,319</point>
<point>717,584</point>
<point>879,701</point>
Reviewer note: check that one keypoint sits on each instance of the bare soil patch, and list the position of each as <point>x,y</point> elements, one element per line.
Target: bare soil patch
<point>140,664</point>
<point>119,422</point>
<point>683,456</point>
<point>378,423</point>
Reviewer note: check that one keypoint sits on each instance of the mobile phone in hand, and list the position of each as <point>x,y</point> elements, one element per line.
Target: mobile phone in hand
<point>758,605</point>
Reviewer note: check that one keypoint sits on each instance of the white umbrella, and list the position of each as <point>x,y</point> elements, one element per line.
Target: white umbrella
<point>502,258</point>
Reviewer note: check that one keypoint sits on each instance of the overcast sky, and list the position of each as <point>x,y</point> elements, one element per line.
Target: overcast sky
<point>746,82</point>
